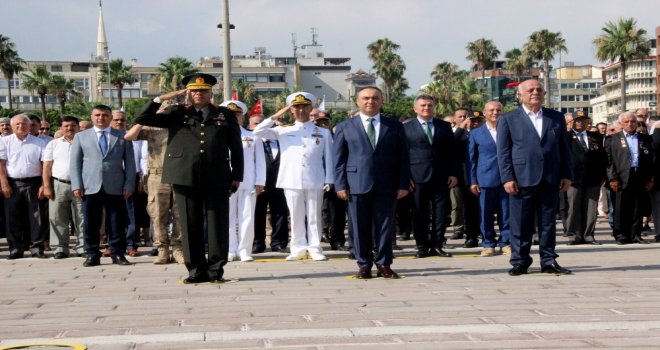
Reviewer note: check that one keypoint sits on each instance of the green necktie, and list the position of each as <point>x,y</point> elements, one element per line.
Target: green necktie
<point>427,129</point>
<point>371,132</point>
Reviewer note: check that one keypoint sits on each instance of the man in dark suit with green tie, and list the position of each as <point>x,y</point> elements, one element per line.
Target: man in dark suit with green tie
<point>204,163</point>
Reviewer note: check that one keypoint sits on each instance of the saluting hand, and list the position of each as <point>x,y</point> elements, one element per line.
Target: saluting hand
<point>173,94</point>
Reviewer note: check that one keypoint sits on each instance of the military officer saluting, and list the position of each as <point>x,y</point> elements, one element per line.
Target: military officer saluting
<point>306,168</point>
<point>197,164</point>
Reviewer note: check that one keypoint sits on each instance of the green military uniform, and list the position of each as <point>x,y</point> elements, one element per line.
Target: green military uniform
<point>197,164</point>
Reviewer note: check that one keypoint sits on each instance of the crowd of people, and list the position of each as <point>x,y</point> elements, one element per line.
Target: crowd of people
<point>198,182</point>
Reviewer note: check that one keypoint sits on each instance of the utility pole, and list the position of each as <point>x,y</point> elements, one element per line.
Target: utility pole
<point>226,52</point>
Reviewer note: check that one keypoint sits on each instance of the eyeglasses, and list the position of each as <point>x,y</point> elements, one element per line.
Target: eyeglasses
<point>119,120</point>
<point>44,129</point>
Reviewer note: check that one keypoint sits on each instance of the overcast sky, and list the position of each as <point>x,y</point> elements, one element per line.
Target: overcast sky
<point>428,31</point>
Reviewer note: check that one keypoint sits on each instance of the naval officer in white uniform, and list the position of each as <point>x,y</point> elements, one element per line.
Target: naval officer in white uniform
<point>243,201</point>
<point>306,169</point>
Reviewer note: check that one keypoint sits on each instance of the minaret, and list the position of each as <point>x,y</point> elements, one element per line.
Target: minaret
<point>101,42</point>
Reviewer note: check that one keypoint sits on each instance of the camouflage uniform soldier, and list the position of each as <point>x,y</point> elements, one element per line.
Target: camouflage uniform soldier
<point>160,197</point>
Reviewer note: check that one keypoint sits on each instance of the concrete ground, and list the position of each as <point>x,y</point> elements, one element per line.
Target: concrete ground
<point>466,302</point>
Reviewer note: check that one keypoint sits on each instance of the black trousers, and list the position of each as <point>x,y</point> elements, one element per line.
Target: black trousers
<point>334,217</point>
<point>193,204</point>
<point>23,207</point>
<point>430,221</point>
<point>631,204</point>
<point>279,213</point>
<point>115,211</point>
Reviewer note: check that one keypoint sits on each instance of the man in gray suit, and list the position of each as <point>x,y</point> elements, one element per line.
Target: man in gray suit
<point>102,171</point>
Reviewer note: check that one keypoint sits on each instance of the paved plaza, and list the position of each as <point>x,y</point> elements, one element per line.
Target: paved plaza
<point>466,302</point>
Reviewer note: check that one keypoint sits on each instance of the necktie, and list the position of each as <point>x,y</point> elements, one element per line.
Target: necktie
<point>427,129</point>
<point>103,143</point>
<point>268,150</point>
<point>583,139</point>
<point>199,114</point>
<point>371,132</point>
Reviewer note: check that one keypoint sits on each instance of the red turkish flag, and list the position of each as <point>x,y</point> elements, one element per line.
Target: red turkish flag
<point>234,95</point>
<point>257,108</point>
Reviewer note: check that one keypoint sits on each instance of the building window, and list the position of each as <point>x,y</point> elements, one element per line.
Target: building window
<point>56,68</point>
<point>276,78</point>
<point>318,87</point>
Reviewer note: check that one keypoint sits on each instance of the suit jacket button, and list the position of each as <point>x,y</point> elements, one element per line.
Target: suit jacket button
<point>201,151</point>
<point>201,141</point>
<point>201,133</point>
<point>202,125</point>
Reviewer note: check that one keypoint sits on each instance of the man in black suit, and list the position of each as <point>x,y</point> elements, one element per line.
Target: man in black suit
<point>589,163</point>
<point>372,171</point>
<point>203,174</point>
<point>630,175</point>
<point>433,170</point>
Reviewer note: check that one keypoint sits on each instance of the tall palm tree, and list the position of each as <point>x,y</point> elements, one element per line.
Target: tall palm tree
<point>120,75</point>
<point>542,46</point>
<point>39,80</point>
<point>468,94</point>
<point>10,63</point>
<point>171,73</point>
<point>621,41</point>
<point>389,66</point>
<point>483,53</point>
<point>517,62</point>
<point>443,71</point>
<point>62,87</point>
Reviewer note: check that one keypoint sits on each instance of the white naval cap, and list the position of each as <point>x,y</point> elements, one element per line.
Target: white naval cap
<point>235,105</point>
<point>300,98</point>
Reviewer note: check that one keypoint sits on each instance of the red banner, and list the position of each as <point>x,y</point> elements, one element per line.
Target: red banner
<point>257,108</point>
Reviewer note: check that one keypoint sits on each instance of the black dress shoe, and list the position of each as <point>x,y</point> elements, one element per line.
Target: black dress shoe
<point>258,250</point>
<point>576,242</point>
<point>396,247</point>
<point>196,279</point>
<point>217,280</point>
<point>458,234</point>
<point>422,253</point>
<point>278,249</point>
<point>471,243</point>
<point>39,255</point>
<point>405,236</point>
<point>60,255</point>
<point>119,260</point>
<point>517,270</point>
<point>556,269</point>
<point>440,252</point>
<point>15,255</point>
<point>385,271</point>
<point>640,240</point>
<point>594,242</point>
<point>351,255</point>
<point>92,261</point>
<point>364,273</point>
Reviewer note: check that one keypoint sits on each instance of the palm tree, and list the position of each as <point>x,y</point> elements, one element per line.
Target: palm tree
<point>542,46</point>
<point>621,41</point>
<point>171,73</point>
<point>443,71</point>
<point>245,91</point>
<point>389,66</point>
<point>39,80</point>
<point>517,62</point>
<point>120,75</point>
<point>10,63</point>
<point>468,94</point>
<point>62,87</point>
<point>483,53</point>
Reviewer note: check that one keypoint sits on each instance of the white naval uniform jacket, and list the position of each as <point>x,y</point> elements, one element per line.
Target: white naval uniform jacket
<point>254,161</point>
<point>305,154</point>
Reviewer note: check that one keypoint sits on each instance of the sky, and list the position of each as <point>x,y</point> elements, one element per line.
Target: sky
<point>429,32</point>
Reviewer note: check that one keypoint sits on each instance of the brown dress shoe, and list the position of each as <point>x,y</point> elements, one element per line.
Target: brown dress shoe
<point>133,252</point>
<point>106,253</point>
<point>364,273</point>
<point>385,271</point>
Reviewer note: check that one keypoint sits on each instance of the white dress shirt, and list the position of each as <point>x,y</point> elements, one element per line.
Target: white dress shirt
<point>536,118</point>
<point>97,131</point>
<point>57,151</point>
<point>23,157</point>
<point>376,123</point>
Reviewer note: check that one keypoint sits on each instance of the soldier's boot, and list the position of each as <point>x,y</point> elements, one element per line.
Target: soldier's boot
<point>163,255</point>
<point>177,254</point>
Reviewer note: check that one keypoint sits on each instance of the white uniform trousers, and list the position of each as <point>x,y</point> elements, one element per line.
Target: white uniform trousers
<point>303,203</point>
<point>241,222</point>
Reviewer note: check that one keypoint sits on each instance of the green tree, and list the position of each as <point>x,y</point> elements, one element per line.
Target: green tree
<point>542,46</point>
<point>399,107</point>
<point>483,53</point>
<point>517,62</point>
<point>622,41</point>
<point>245,91</point>
<point>133,107</point>
<point>120,75</point>
<point>62,88</point>
<point>389,66</point>
<point>459,90</point>
<point>171,72</point>
<point>39,80</point>
<point>10,63</point>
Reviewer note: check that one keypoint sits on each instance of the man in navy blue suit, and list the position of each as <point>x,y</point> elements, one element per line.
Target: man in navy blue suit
<point>371,172</point>
<point>433,169</point>
<point>535,165</point>
<point>485,182</point>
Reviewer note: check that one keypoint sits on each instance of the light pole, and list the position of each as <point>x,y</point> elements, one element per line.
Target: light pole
<point>109,83</point>
<point>226,52</point>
